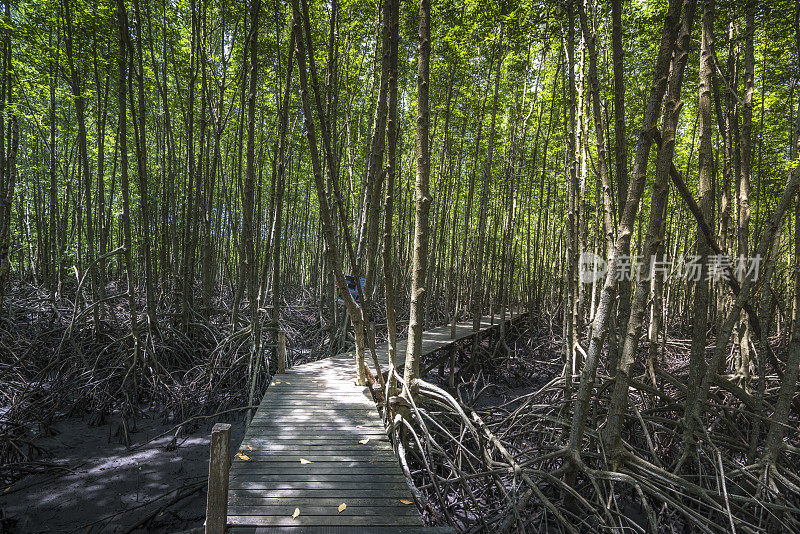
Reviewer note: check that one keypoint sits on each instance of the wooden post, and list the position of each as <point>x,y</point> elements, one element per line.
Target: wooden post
<point>281,351</point>
<point>452,379</point>
<point>218,467</point>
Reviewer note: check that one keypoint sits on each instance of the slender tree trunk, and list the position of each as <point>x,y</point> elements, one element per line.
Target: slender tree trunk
<point>102,229</point>
<point>55,269</point>
<point>725,119</point>
<point>478,283</point>
<point>247,266</point>
<point>780,416</point>
<point>590,36</point>
<point>625,229</point>
<point>124,46</point>
<point>745,171</point>
<point>8,169</point>
<point>620,316</point>
<point>655,232</point>
<point>392,128</point>
<point>572,218</point>
<point>702,289</point>
<point>741,301</point>
<point>374,174</point>
<point>423,200</point>
<point>80,111</point>
<point>141,168</point>
<point>187,265</point>
<point>355,313</point>
<point>353,310</point>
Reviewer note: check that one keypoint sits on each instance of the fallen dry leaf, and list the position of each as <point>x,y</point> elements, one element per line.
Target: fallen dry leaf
<point>242,456</point>
<point>249,448</point>
<point>342,507</point>
<point>364,441</point>
<point>296,513</point>
<point>406,501</point>
<point>304,461</point>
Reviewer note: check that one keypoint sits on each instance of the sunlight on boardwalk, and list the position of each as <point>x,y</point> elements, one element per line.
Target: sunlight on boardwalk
<point>317,442</point>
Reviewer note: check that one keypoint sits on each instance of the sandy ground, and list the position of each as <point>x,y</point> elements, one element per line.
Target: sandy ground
<point>103,486</point>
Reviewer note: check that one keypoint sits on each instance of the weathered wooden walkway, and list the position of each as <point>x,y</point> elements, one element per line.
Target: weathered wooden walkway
<point>316,442</point>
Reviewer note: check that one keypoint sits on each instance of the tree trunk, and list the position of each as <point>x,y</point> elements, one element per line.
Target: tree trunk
<point>374,174</point>
<point>697,359</point>
<point>477,286</point>
<point>392,129</point>
<point>141,167</point>
<point>625,229</point>
<point>353,309</point>
<point>423,201</point>
<point>80,111</point>
<point>187,265</point>
<point>743,228</point>
<point>124,46</point>
<point>655,233</point>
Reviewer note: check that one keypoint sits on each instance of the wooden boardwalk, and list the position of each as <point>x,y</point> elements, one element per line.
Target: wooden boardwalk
<point>316,442</point>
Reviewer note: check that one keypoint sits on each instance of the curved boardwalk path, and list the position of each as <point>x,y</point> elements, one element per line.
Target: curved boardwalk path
<point>316,413</point>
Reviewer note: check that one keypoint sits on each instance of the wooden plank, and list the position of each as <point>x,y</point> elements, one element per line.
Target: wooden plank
<point>323,416</point>
<point>320,418</point>
<point>342,493</point>
<point>316,406</point>
<point>343,447</point>
<point>304,432</point>
<point>312,472</point>
<point>330,413</point>
<point>333,480</point>
<point>303,520</point>
<point>308,508</point>
<point>319,466</point>
<point>321,425</point>
<point>316,412</point>
<point>288,446</point>
<point>353,441</point>
<point>319,501</point>
<point>325,456</point>
<point>335,486</point>
<point>359,421</point>
<point>332,529</point>
<point>352,438</point>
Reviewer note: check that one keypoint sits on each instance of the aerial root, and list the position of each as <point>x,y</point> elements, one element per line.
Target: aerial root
<point>504,470</point>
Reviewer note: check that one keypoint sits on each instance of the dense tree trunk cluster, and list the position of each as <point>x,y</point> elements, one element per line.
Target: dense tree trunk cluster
<point>181,181</point>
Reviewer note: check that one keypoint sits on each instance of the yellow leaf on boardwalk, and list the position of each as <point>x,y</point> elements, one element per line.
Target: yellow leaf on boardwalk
<point>242,456</point>
<point>249,448</point>
<point>342,507</point>
<point>304,461</point>
<point>406,501</point>
<point>364,441</point>
<point>296,513</point>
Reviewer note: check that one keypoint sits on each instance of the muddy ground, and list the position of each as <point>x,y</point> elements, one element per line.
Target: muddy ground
<point>89,482</point>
